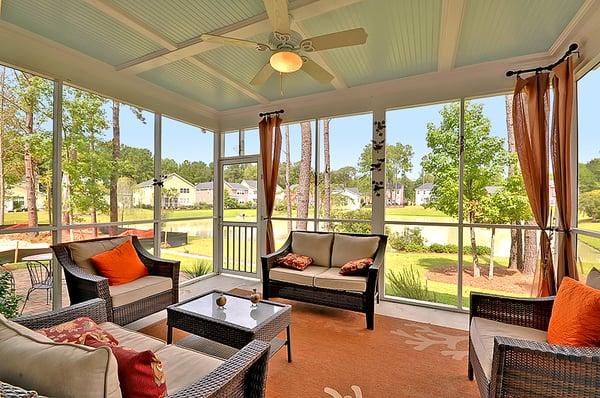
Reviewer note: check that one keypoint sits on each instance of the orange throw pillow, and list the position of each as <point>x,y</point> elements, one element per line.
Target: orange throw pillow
<point>295,261</point>
<point>575,319</point>
<point>120,265</point>
<point>76,331</point>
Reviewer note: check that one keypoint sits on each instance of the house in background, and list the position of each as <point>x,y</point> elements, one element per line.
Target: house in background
<point>394,196</point>
<point>350,197</point>
<point>176,192</point>
<point>237,191</point>
<point>204,192</point>
<point>423,194</point>
<point>252,189</point>
<point>16,198</point>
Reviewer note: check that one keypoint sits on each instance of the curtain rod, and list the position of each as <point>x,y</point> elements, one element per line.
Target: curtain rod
<point>572,49</point>
<point>271,113</point>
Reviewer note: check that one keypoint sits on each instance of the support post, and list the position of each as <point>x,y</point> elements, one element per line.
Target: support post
<point>157,176</point>
<point>57,128</point>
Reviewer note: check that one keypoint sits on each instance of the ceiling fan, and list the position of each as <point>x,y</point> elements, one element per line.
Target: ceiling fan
<point>288,47</point>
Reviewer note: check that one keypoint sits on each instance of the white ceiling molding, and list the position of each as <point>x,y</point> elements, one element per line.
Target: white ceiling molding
<point>26,50</point>
<point>562,42</point>
<point>338,81</point>
<point>131,22</point>
<point>214,71</point>
<point>450,24</point>
<point>299,9</point>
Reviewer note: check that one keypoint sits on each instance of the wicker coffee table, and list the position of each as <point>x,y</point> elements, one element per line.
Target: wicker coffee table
<point>235,325</point>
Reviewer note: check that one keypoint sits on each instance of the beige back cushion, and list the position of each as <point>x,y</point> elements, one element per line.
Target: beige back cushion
<point>347,248</point>
<point>316,246</point>
<point>82,252</point>
<point>34,362</point>
<point>593,278</point>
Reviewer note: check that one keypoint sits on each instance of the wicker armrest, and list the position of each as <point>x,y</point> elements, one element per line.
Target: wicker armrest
<point>269,260</point>
<point>156,265</point>
<point>529,368</point>
<point>244,374</point>
<point>527,312</point>
<point>94,309</point>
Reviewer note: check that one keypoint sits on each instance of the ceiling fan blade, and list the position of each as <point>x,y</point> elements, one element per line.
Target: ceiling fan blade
<point>344,38</point>
<point>263,75</point>
<point>277,11</point>
<point>316,71</point>
<point>230,41</point>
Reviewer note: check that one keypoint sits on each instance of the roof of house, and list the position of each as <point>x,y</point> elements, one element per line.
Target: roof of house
<point>201,186</point>
<point>150,182</point>
<point>428,186</point>
<point>236,186</point>
<point>398,185</point>
<point>250,183</point>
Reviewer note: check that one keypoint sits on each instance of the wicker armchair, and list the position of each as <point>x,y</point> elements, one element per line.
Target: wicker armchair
<point>83,286</point>
<point>524,368</point>
<point>242,375</point>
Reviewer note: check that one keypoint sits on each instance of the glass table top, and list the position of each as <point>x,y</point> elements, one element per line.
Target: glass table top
<point>238,311</point>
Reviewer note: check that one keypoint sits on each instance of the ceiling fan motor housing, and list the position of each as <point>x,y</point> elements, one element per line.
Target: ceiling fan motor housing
<point>284,41</point>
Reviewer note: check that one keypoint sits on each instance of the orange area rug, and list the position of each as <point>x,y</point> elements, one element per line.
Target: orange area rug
<point>335,356</point>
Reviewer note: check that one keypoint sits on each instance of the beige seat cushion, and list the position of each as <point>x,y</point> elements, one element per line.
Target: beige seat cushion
<point>143,287</point>
<point>134,340</point>
<point>347,248</point>
<point>82,252</point>
<point>34,362</point>
<point>483,332</point>
<point>331,279</point>
<point>305,278</point>
<point>316,246</point>
<point>593,279</point>
<point>183,367</point>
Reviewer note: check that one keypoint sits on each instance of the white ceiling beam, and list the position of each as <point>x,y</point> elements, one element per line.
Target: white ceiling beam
<point>130,21</point>
<point>299,9</point>
<point>561,43</point>
<point>450,24</point>
<point>338,81</point>
<point>216,72</point>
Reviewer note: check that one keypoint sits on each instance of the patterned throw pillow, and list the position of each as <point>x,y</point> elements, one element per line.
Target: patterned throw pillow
<point>141,374</point>
<point>295,261</point>
<point>75,331</point>
<point>356,267</point>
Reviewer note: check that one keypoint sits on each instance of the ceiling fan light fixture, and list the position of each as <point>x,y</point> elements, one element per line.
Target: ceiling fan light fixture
<point>286,61</point>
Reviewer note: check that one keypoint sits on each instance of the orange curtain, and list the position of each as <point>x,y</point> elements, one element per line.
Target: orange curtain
<point>530,118</point>
<point>562,119</point>
<point>270,152</point>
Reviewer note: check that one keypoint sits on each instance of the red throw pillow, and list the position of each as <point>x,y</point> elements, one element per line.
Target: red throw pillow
<point>141,374</point>
<point>295,261</point>
<point>575,319</point>
<point>75,331</point>
<point>356,267</point>
<point>120,265</point>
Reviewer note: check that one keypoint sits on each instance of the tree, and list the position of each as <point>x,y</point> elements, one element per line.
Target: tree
<point>303,197</point>
<point>136,163</point>
<point>326,174</point>
<point>589,202</point>
<point>87,161</point>
<point>288,165</point>
<point>116,157</point>
<point>169,166</point>
<point>484,161</point>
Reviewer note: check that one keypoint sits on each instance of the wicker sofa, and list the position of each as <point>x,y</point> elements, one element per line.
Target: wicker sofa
<point>188,373</point>
<point>509,355</point>
<point>321,283</point>
<point>127,302</point>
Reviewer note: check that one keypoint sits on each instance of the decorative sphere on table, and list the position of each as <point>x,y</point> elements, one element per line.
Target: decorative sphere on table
<point>221,301</point>
<point>254,297</point>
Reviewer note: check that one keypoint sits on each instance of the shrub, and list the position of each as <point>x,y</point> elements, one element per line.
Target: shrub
<point>407,283</point>
<point>9,300</point>
<point>353,227</point>
<point>410,240</point>
<point>590,204</point>
<point>481,250</point>
<point>200,267</point>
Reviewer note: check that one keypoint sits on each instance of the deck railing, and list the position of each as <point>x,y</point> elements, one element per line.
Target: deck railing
<point>239,247</point>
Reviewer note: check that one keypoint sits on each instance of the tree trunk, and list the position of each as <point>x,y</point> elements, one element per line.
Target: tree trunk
<point>491,266</point>
<point>326,175</point>
<point>303,198</point>
<point>476,268</point>
<point>288,197</point>
<point>2,122</point>
<point>516,235</point>
<point>114,177</point>
<point>30,180</point>
<point>530,252</point>
<point>94,220</point>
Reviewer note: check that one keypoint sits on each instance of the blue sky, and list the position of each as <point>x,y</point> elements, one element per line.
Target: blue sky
<point>350,134</point>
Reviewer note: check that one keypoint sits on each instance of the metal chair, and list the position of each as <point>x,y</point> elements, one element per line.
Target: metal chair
<point>41,279</point>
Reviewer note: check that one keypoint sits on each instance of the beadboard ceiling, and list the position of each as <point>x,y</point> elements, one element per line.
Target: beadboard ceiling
<point>158,41</point>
